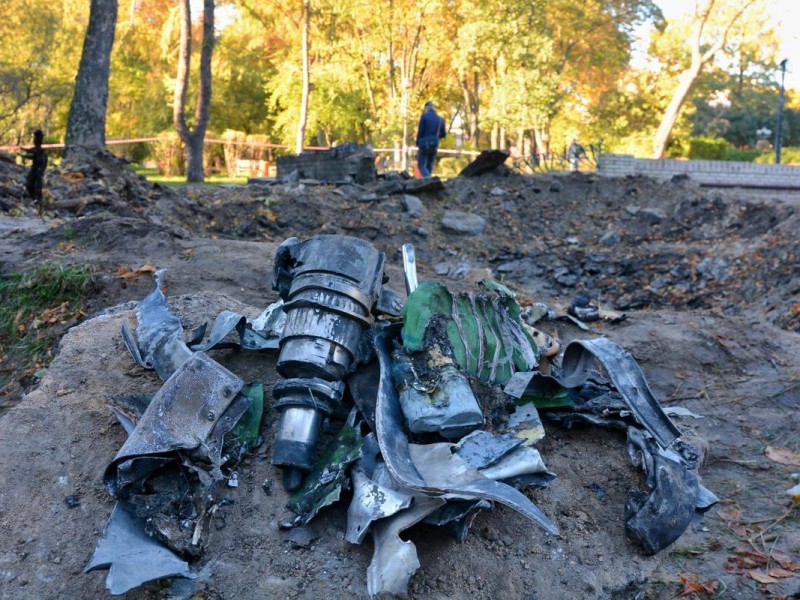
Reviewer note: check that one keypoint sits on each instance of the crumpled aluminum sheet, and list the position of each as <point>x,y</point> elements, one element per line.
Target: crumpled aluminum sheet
<point>394,561</point>
<point>159,341</point>
<point>261,333</point>
<point>444,474</point>
<point>523,460</point>
<point>133,557</point>
<point>198,403</point>
<point>371,502</point>
<point>181,416</point>
<point>577,365</point>
<point>657,519</point>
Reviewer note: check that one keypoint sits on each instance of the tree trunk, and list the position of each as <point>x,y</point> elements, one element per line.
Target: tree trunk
<point>476,110</point>
<point>703,52</point>
<point>301,125</point>
<point>670,116</point>
<point>541,137</point>
<point>194,139</point>
<point>86,124</point>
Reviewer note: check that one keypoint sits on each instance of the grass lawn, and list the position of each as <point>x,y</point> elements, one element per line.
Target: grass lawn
<point>179,180</point>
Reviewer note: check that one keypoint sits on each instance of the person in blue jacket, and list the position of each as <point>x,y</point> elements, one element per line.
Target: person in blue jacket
<point>430,130</point>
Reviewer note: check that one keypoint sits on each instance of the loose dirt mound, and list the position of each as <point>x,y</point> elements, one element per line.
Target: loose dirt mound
<point>728,263</point>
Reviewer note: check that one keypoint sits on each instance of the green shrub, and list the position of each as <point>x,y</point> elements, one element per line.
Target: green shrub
<point>169,154</point>
<point>447,165</point>
<point>137,152</point>
<point>707,148</point>
<point>736,154</point>
<point>789,156</point>
<point>233,149</point>
<point>214,155</point>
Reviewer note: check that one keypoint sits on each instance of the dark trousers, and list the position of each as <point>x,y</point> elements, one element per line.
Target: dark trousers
<point>425,159</point>
<point>33,183</point>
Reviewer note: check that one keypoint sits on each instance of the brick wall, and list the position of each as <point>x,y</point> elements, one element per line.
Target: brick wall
<point>708,172</point>
<point>349,162</point>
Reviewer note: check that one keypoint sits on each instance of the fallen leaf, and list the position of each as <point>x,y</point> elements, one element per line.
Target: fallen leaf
<point>785,561</point>
<point>148,268</point>
<point>783,456</point>
<point>762,577</point>
<point>51,315</point>
<point>693,587</point>
<point>123,272</point>
<point>780,573</point>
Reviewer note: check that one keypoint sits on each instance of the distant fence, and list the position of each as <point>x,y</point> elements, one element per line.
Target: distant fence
<point>259,168</point>
<point>712,173</point>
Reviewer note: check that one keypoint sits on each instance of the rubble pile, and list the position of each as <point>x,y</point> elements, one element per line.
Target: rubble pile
<point>417,443</point>
<point>561,236</point>
<point>89,182</point>
<point>673,244</point>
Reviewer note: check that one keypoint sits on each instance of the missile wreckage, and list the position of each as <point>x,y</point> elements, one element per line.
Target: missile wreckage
<point>379,405</point>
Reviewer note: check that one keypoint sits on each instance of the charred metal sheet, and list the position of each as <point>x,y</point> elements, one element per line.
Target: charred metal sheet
<point>629,380</point>
<point>371,501</point>
<point>395,561</point>
<point>578,364</point>
<point>457,516</point>
<point>388,417</point>
<point>448,474</point>
<point>488,160</point>
<point>389,303</point>
<point>132,556</point>
<point>658,518</point>
<point>262,333</point>
<point>130,343</point>
<point>434,470</point>
<point>159,335</point>
<point>363,388</point>
<point>483,448</point>
<point>180,416</point>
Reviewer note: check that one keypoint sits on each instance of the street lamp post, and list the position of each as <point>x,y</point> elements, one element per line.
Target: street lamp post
<point>779,129</point>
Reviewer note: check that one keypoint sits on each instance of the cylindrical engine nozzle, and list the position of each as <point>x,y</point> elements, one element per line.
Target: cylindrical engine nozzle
<point>303,404</point>
<point>329,284</point>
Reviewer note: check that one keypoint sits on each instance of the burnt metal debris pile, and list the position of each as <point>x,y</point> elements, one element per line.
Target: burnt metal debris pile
<point>416,443</point>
